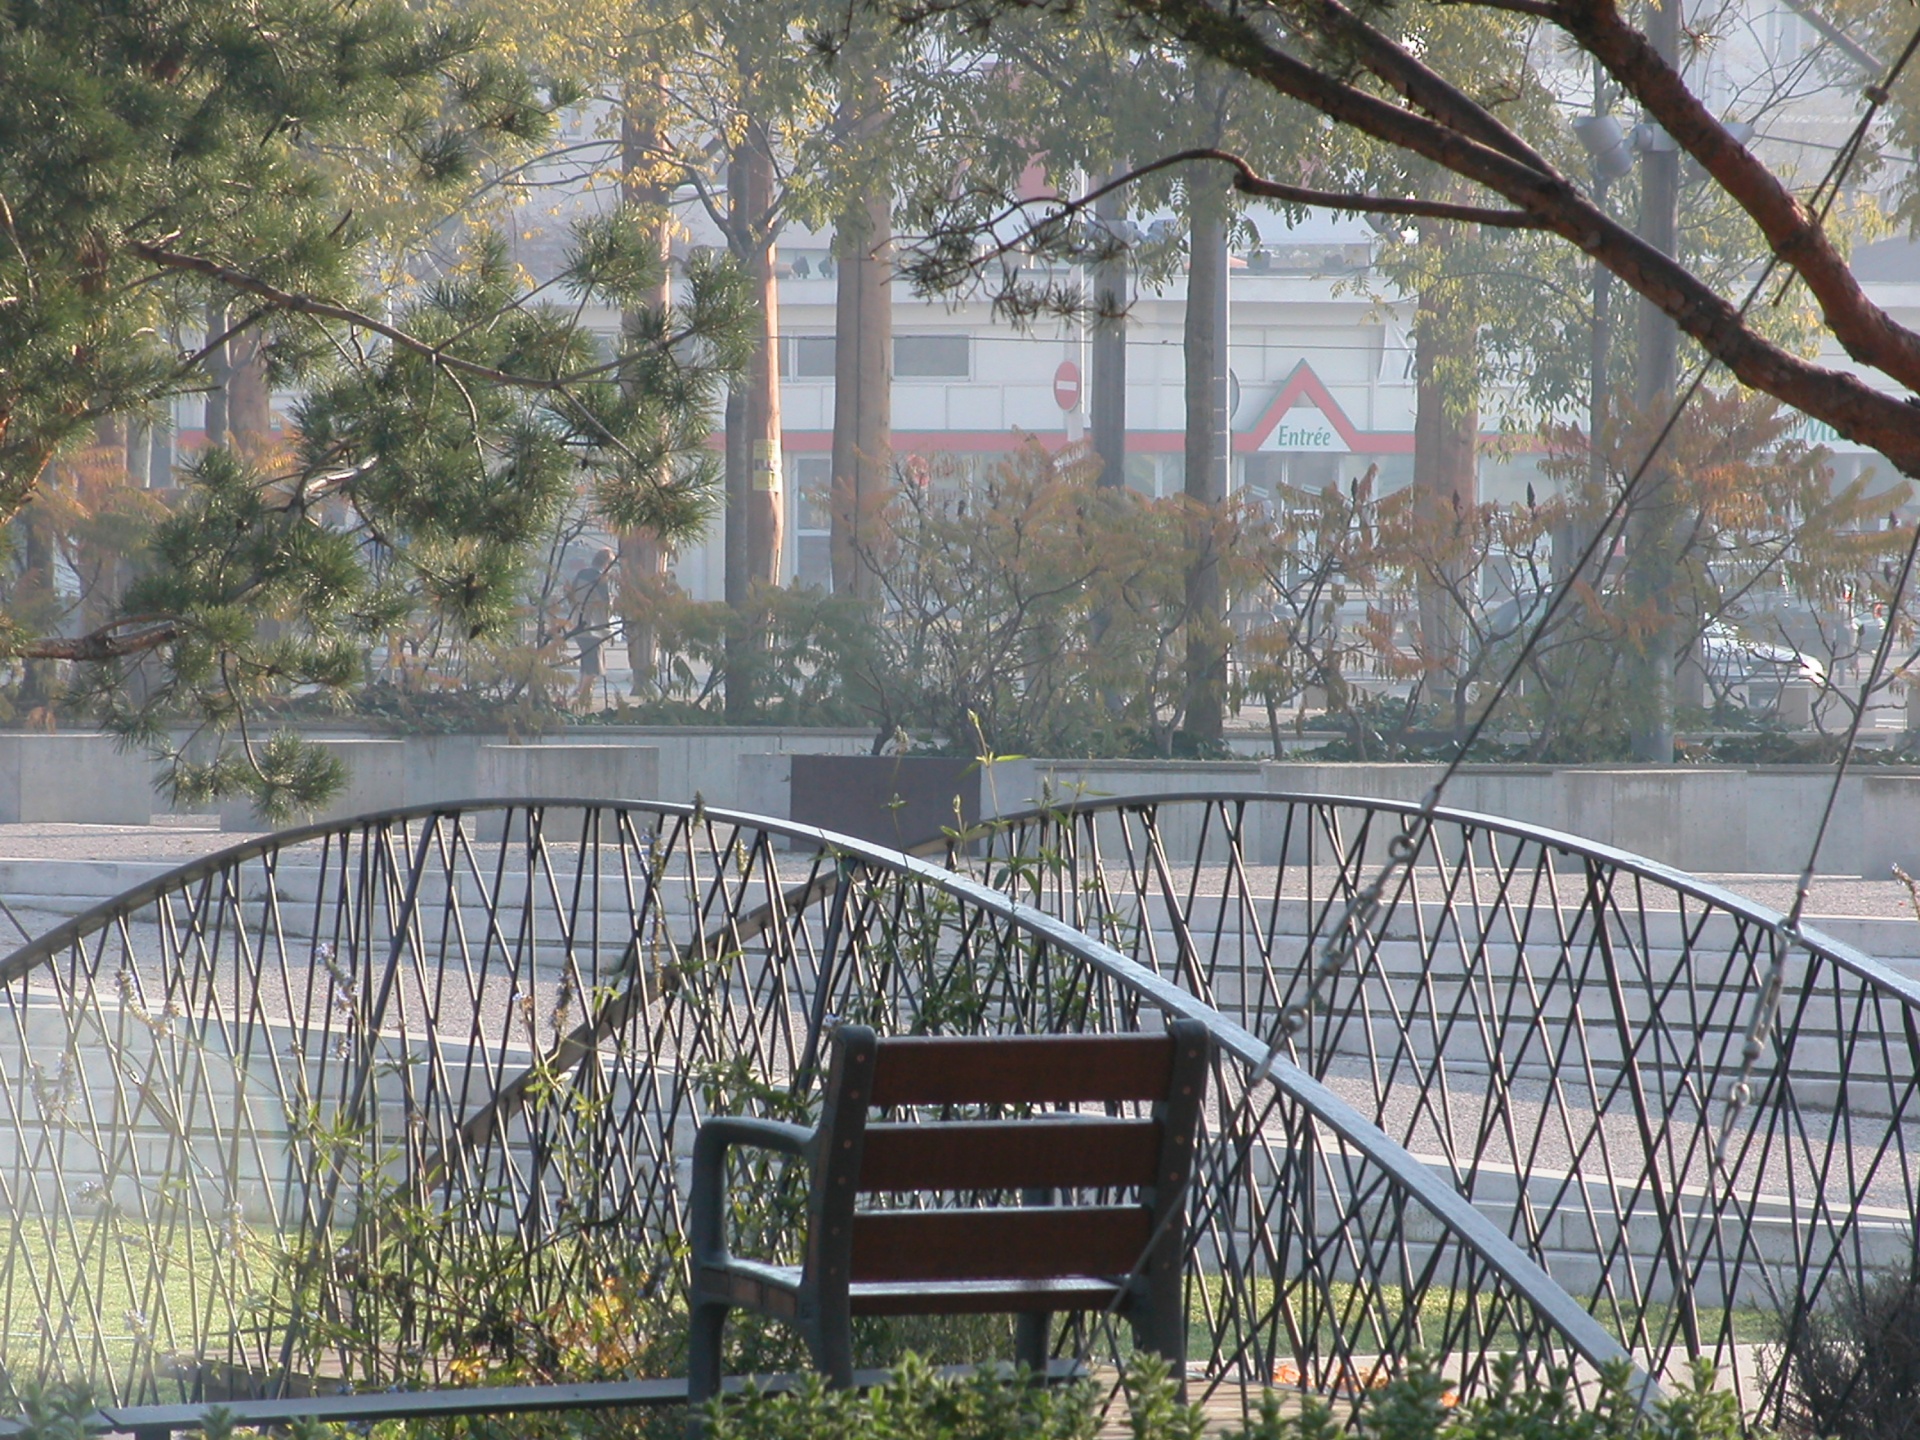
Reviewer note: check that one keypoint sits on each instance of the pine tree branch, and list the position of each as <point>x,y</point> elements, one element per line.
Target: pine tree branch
<point>298,304</point>
<point>295,303</point>
<point>133,635</point>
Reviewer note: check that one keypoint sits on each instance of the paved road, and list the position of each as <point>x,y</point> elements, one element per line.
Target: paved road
<point>195,836</point>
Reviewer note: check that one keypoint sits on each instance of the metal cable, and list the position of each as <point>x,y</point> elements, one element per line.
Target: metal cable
<point>1766,1007</point>
<point>1344,938</point>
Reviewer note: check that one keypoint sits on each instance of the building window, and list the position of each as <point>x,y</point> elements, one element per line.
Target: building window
<point>932,357</point>
<point>810,482</point>
<point>806,357</point>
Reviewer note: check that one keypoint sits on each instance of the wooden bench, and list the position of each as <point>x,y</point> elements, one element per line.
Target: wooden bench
<point>1100,1222</point>
<point>1029,1259</point>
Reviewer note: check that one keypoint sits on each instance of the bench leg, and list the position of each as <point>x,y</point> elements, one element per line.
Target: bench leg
<point>830,1338</point>
<point>703,1355</point>
<point>1030,1342</point>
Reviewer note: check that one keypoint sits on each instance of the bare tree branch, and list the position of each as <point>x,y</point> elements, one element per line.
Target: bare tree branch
<point>1422,87</point>
<point>1887,423</point>
<point>1533,9</point>
<point>1870,64</point>
<point>1793,232</point>
<point>1249,182</point>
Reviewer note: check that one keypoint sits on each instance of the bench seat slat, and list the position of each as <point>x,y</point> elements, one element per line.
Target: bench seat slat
<point>1022,1070</point>
<point>1009,1154</point>
<point>981,1297</point>
<point>999,1244</point>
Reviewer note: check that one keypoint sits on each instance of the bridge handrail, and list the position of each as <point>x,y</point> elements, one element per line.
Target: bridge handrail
<point>1452,1210</point>
<point>1628,862</point>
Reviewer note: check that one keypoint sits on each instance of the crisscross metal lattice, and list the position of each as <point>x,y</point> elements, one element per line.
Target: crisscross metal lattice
<point>362,1102</point>
<point>1552,1027</point>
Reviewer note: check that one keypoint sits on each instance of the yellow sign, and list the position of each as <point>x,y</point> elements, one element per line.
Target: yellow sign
<point>766,463</point>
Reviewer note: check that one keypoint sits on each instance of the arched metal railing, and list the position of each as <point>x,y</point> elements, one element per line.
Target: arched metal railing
<point>407,1099</point>
<point>1555,1028</point>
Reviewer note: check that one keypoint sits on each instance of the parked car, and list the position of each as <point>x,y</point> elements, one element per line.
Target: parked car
<point>1733,659</point>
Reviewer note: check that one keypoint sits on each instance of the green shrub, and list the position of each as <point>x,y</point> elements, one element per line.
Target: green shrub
<point>920,1404</point>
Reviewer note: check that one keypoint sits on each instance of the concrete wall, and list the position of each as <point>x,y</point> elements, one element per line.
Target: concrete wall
<point>382,774</point>
<point>1704,819</point>
<point>1757,820</point>
<point>1714,820</point>
<point>709,761</point>
<point>626,763</point>
<point>74,777</point>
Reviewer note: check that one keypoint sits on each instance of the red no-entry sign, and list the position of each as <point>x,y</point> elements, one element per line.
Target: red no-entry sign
<point>1066,385</point>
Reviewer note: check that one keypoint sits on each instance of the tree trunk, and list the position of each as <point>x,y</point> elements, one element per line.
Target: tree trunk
<point>139,449</point>
<point>1208,453</point>
<point>642,571</point>
<point>862,386</point>
<point>1107,354</point>
<point>1589,500</point>
<point>113,441</point>
<point>1651,525</point>
<point>1446,432</point>
<point>33,591</point>
<point>217,373</point>
<point>122,444</point>
<point>1107,388</point>
<point>738,662</point>
<point>239,403</point>
<point>753,422</point>
<point>249,399</point>
<point>160,453</point>
<point>765,510</point>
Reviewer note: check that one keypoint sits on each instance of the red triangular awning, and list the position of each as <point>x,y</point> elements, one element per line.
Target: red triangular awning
<point>1301,385</point>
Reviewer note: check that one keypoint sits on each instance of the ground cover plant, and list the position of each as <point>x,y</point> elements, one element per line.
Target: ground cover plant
<point>922,1403</point>
<point>1418,1404</point>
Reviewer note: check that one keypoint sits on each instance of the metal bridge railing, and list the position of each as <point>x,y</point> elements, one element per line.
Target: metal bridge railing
<point>359,1103</point>
<point>1554,1029</point>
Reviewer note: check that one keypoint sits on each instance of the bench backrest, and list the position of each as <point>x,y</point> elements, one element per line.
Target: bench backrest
<point>1146,1153</point>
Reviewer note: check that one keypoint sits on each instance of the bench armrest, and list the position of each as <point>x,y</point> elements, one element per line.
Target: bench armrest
<point>707,1228</point>
<point>720,1132</point>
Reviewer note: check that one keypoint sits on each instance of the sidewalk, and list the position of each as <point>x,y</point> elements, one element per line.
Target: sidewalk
<point>176,843</point>
<point>49,871</point>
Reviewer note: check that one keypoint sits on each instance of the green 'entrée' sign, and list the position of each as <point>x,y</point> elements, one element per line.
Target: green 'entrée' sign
<point>1305,428</point>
